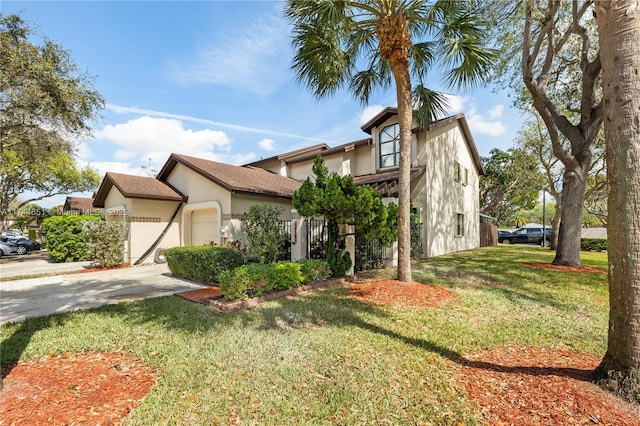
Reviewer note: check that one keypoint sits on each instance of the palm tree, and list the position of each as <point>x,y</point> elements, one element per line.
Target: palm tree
<point>368,44</point>
<point>619,32</point>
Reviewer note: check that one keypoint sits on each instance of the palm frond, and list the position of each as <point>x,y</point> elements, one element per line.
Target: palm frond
<point>430,105</point>
<point>423,58</point>
<point>378,75</point>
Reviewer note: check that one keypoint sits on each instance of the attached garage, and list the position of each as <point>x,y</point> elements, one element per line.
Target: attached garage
<point>205,227</point>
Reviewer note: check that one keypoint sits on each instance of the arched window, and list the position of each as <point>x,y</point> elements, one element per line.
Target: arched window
<point>389,147</point>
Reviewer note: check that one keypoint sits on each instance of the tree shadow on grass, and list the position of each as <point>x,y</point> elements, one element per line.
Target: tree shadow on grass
<point>328,307</point>
<point>319,308</point>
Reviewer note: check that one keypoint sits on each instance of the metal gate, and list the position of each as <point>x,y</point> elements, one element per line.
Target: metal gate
<point>285,250</point>
<point>317,235</point>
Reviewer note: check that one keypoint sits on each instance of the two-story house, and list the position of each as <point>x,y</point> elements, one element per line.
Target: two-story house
<point>193,201</point>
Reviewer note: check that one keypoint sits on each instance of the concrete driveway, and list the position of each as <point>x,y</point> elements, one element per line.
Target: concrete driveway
<point>20,299</point>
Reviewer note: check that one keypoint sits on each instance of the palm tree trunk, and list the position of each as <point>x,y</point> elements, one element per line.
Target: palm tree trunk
<point>619,30</point>
<point>405,119</point>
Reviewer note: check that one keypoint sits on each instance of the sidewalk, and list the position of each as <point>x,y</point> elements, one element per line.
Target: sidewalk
<point>38,266</point>
<point>21,299</point>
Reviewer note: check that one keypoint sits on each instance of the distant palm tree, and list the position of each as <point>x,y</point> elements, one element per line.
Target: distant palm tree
<point>368,44</point>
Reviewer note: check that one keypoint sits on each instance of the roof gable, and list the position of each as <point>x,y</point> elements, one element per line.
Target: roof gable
<point>389,112</point>
<point>78,204</point>
<point>310,150</point>
<point>245,179</point>
<point>132,186</point>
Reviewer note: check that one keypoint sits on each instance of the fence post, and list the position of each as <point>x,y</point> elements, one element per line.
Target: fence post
<point>350,241</point>
<point>298,239</point>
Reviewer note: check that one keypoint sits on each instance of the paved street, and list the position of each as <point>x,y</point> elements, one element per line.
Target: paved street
<point>70,291</point>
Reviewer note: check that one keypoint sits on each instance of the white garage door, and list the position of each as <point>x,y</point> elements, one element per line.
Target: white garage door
<point>204,227</point>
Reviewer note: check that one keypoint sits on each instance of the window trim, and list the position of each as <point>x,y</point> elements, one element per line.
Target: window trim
<point>459,226</point>
<point>394,140</point>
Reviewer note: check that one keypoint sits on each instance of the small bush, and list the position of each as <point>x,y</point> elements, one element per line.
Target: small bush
<point>256,279</point>
<point>234,284</point>
<point>105,242</point>
<point>313,270</point>
<point>202,263</point>
<point>593,244</point>
<point>65,240</point>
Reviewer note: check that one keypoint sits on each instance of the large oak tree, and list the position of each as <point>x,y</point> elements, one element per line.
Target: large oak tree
<point>46,107</point>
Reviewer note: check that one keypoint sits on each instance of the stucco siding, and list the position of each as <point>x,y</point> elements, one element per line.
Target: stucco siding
<point>147,219</point>
<point>198,188</point>
<point>445,196</point>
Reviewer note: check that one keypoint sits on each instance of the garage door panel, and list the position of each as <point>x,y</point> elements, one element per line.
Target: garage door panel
<point>204,227</point>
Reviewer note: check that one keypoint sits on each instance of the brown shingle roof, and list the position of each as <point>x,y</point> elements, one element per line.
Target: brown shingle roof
<point>245,179</point>
<point>78,204</point>
<point>287,155</point>
<point>335,150</point>
<point>136,187</point>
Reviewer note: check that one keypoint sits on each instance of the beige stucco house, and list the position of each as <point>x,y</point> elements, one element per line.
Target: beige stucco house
<point>193,201</point>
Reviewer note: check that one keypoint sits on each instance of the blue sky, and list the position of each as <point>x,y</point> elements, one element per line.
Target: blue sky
<point>212,79</point>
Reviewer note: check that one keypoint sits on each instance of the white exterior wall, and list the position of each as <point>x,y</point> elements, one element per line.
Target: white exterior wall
<point>147,219</point>
<point>204,196</point>
<point>444,198</point>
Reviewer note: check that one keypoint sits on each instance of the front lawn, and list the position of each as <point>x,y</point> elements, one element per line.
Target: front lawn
<point>326,358</point>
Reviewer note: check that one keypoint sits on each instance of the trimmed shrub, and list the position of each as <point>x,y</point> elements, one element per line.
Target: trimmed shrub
<point>202,263</point>
<point>314,270</point>
<point>65,240</point>
<point>593,244</point>
<point>105,242</point>
<point>234,284</point>
<point>256,279</point>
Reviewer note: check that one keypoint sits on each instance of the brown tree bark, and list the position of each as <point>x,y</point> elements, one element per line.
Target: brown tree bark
<point>394,43</point>
<point>619,31</point>
<point>538,53</point>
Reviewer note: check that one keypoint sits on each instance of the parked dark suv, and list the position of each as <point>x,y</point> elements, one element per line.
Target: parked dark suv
<point>525,236</point>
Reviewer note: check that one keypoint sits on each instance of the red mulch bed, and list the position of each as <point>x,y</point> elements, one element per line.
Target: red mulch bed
<point>565,268</point>
<point>396,292</point>
<point>517,385</point>
<point>85,388</point>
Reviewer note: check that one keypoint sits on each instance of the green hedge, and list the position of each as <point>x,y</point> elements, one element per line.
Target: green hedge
<point>256,279</point>
<point>202,263</point>
<point>64,237</point>
<point>593,244</point>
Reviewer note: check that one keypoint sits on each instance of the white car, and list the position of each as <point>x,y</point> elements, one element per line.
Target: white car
<point>8,248</point>
<point>10,233</point>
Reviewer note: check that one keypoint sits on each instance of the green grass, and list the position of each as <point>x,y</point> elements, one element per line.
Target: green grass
<point>323,358</point>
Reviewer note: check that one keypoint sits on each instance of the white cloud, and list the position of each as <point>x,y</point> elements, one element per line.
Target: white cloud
<point>455,103</point>
<point>148,138</point>
<point>369,112</point>
<point>496,112</point>
<point>102,167</point>
<point>488,124</point>
<point>152,113</point>
<point>267,144</point>
<point>250,59</point>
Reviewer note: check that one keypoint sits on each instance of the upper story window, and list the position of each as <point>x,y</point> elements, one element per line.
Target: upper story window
<point>461,174</point>
<point>389,146</point>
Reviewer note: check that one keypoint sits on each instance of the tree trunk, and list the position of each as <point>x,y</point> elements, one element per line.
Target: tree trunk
<point>555,224</point>
<point>405,119</point>
<point>570,231</point>
<point>619,30</point>
<point>394,43</point>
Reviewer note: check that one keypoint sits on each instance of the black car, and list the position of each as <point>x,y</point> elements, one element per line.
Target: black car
<point>23,246</point>
<point>527,235</point>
